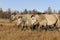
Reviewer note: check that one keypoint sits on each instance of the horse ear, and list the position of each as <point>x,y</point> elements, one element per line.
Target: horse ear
<point>32,16</point>
<point>20,17</point>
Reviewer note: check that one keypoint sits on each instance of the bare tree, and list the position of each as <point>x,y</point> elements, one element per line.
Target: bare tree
<point>29,12</point>
<point>1,12</point>
<point>59,11</point>
<point>9,10</point>
<point>54,11</point>
<point>34,11</point>
<point>49,11</point>
<point>25,11</point>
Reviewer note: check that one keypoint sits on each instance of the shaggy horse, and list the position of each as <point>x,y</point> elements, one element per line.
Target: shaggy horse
<point>34,22</point>
<point>20,22</point>
<point>51,21</point>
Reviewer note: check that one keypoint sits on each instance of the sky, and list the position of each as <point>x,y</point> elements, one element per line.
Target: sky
<point>40,5</point>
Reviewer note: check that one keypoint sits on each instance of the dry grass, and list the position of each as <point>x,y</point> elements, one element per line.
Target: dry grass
<point>29,35</point>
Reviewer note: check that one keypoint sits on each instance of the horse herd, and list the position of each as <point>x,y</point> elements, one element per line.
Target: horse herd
<point>37,21</point>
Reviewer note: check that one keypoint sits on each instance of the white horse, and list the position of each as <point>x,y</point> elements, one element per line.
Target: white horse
<point>34,22</point>
<point>29,22</point>
<point>58,21</point>
<point>12,18</point>
<point>51,21</point>
<point>20,22</point>
<point>42,22</point>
